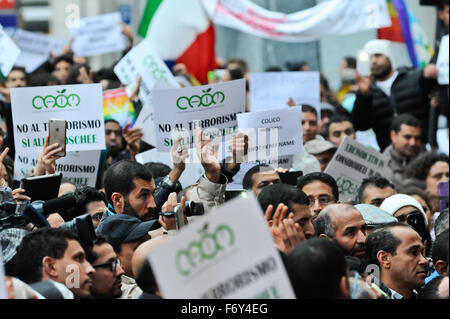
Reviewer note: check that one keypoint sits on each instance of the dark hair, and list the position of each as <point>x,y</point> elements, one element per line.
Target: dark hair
<point>158,169</point>
<point>404,119</point>
<point>383,238</point>
<point>441,4</point>
<point>430,290</point>
<point>296,65</point>
<point>119,177</point>
<point>309,108</point>
<point>355,264</point>
<point>276,194</point>
<point>440,247</point>
<point>324,225</point>
<point>42,78</point>
<point>35,246</point>
<point>9,166</point>
<point>375,180</point>
<point>351,62</point>
<point>98,241</point>
<point>145,278</point>
<point>84,195</point>
<point>315,268</point>
<point>247,182</point>
<point>236,74</point>
<point>336,118</point>
<point>273,69</point>
<point>20,69</point>
<point>441,222</point>
<point>321,177</point>
<point>65,57</point>
<point>242,64</point>
<point>421,165</point>
<point>74,72</point>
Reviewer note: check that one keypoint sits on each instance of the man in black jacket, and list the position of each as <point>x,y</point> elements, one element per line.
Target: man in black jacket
<point>389,92</point>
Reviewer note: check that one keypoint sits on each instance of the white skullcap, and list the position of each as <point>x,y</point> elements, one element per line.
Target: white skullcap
<point>393,203</point>
<point>383,47</point>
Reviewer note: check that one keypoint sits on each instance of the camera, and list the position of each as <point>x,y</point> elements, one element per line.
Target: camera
<point>83,227</point>
<point>194,209</point>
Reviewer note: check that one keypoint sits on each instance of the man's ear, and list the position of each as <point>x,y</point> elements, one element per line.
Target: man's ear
<point>392,134</point>
<point>441,267</point>
<point>49,268</point>
<point>385,259</point>
<point>118,202</point>
<point>324,236</point>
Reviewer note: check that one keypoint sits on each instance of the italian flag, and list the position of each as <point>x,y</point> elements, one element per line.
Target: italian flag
<point>181,31</point>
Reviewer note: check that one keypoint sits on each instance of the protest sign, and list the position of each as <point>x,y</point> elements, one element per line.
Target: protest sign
<point>3,294</point>
<point>80,168</point>
<point>98,35</point>
<point>213,108</point>
<point>193,171</point>
<point>272,133</point>
<point>117,106</point>
<point>79,104</point>
<point>353,162</point>
<point>219,256</point>
<point>442,61</point>
<point>9,52</point>
<point>272,90</point>
<point>35,48</point>
<point>144,61</point>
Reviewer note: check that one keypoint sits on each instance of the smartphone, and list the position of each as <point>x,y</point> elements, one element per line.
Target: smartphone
<point>179,216</point>
<point>363,63</point>
<point>57,134</point>
<point>290,178</point>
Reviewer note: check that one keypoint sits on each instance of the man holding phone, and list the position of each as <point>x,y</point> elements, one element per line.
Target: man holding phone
<point>387,92</point>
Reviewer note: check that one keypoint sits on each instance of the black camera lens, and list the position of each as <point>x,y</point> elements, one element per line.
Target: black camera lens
<point>194,209</point>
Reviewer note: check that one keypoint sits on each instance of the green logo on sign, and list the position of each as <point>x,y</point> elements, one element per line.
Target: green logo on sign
<point>206,248</point>
<point>61,101</point>
<point>157,72</point>
<point>206,100</point>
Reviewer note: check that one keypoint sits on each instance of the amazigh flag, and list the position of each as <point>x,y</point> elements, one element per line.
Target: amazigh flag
<point>181,31</point>
<point>406,29</point>
<point>117,106</point>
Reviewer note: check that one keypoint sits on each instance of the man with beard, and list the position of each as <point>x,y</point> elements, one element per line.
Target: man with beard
<point>388,92</point>
<point>345,225</point>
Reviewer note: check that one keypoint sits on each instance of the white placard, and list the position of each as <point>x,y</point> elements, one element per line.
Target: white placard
<point>194,170</point>
<point>80,168</point>
<point>3,294</point>
<point>35,48</point>
<point>208,257</point>
<point>144,61</point>
<point>272,133</point>
<point>98,35</point>
<point>80,104</point>
<point>9,52</point>
<point>213,108</point>
<point>353,162</point>
<point>272,90</point>
<point>442,61</point>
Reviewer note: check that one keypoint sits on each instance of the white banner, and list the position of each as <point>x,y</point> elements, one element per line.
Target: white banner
<point>98,35</point>
<point>144,61</point>
<point>332,17</point>
<point>272,133</point>
<point>442,61</point>
<point>194,170</point>
<point>80,168</point>
<point>220,257</point>
<point>35,48</point>
<point>80,104</point>
<point>178,112</point>
<point>9,52</point>
<point>353,162</point>
<point>272,90</point>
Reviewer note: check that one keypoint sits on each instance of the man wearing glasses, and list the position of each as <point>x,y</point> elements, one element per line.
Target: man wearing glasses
<point>107,281</point>
<point>321,190</point>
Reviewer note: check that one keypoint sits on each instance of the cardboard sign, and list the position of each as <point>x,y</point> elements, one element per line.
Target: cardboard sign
<point>79,104</point>
<point>98,35</point>
<point>35,48</point>
<point>213,108</point>
<point>272,133</point>
<point>9,52</point>
<point>219,256</point>
<point>194,170</point>
<point>353,162</point>
<point>144,61</point>
<point>117,106</point>
<point>442,61</point>
<point>272,90</point>
<point>80,168</point>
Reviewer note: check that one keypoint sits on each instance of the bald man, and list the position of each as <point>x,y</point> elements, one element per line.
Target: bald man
<point>345,225</point>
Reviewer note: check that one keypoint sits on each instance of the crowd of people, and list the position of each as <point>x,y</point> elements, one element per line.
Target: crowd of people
<point>390,242</point>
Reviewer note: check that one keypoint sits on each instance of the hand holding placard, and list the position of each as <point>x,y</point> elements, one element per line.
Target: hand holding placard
<point>132,137</point>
